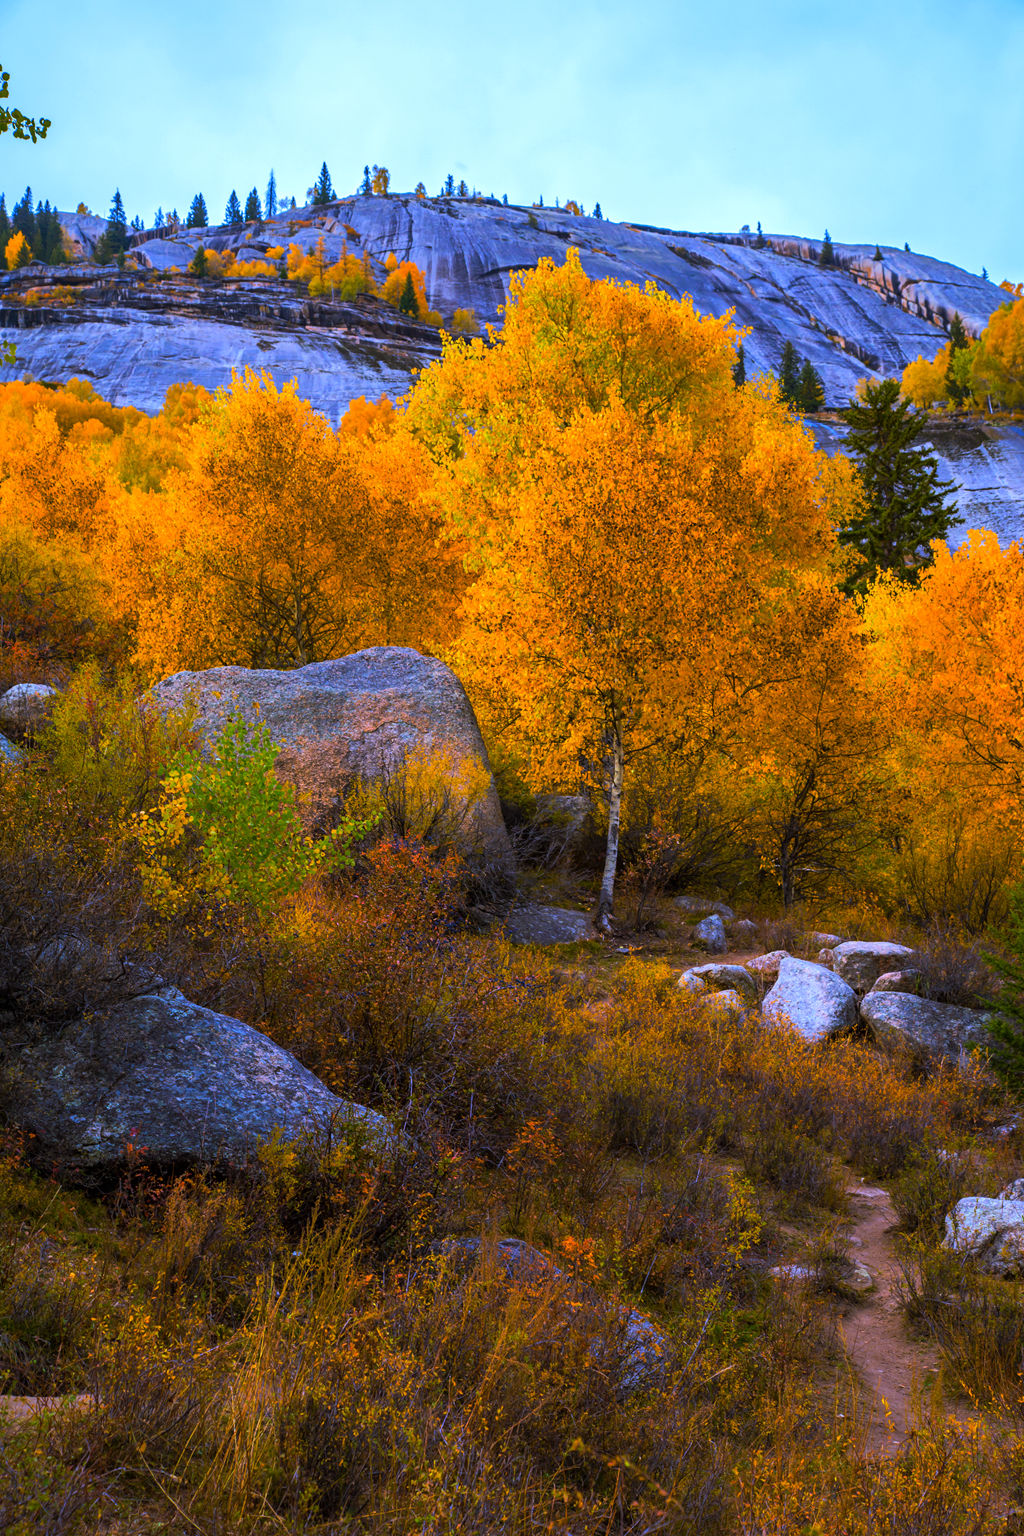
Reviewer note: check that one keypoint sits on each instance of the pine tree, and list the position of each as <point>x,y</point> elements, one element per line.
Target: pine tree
<point>597,214</point>
<point>906,245</point>
<point>407,303</point>
<point>540,203</point>
<point>323,191</point>
<point>810,389</point>
<point>197,215</point>
<point>739,367</point>
<point>5,224</point>
<point>827,257</point>
<point>463,189</point>
<point>760,242</point>
<point>113,243</point>
<point>270,201</point>
<point>233,210</point>
<point>984,274</point>
<point>158,219</point>
<point>51,235</point>
<point>905,504</point>
<point>789,375</point>
<point>504,199</point>
<point>253,211</point>
<point>957,386</point>
<point>198,265</point>
<point>366,185</point>
<point>448,190</point>
<point>24,219</point>
<point>878,254</point>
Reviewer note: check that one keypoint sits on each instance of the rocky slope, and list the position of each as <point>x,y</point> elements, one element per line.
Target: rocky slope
<point>133,334</point>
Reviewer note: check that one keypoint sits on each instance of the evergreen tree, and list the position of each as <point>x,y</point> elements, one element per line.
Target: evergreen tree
<point>233,210</point>
<point>906,245</point>
<point>904,500</point>
<point>504,199</point>
<point>540,203</point>
<point>5,224</point>
<point>878,254</point>
<point>323,192</point>
<point>366,185</point>
<point>957,382</point>
<point>253,211</point>
<point>24,219</point>
<point>597,214</point>
<point>827,257</point>
<point>810,389</point>
<point>113,243</point>
<point>270,201</point>
<point>463,189</point>
<point>448,190</point>
<point>51,234</point>
<point>421,190</point>
<point>407,303</point>
<point>158,219</point>
<point>197,215</point>
<point>760,242</point>
<point>984,274</point>
<point>198,265</point>
<point>739,367</point>
<point>789,375</point>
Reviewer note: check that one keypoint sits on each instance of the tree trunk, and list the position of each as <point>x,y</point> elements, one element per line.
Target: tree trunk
<point>611,857</point>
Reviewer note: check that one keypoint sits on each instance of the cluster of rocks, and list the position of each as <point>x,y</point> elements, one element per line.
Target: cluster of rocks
<point>853,984</point>
<point>990,1230</point>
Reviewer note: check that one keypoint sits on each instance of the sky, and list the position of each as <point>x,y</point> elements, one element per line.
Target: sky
<point>884,122</point>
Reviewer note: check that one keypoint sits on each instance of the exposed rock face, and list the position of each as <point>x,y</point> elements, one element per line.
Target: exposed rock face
<point>815,1001</point>
<point>709,934</point>
<point>25,708</point>
<point>548,925</point>
<point>989,1231</point>
<point>181,1084</point>
<point>353,717</point>
<point>918,1024</point>
<point>133,334</point>
<point>860,963</point>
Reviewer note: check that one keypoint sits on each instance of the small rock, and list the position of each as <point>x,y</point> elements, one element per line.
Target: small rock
<point>701,906</point>
<point>709,934</point>
<point>722,978</point>
<point>691,983</point>
<point>816,1002</point>
<point>10,755</point>
<point>766,967</point>
<point>728,1004</point>
<point>861,962</point>
<point>859,1279</point>
<point>989,1231</point>
<point>1013,1191</point>
<point>816,940</point>
<point>898,981</point>
<point>827,958</point>
<point>548,925</point>
<point>743,933</point>
<point>792,1272</point>
<point>26,708</point>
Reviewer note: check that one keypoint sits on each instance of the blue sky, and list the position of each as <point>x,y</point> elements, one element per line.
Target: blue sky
<point>885,122</point>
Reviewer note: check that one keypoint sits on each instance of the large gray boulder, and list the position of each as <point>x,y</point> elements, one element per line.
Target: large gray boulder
<point>359,717</point>
<point>918,1024</point>
<point>721,978</point>
<point>991,1232</point>
<point>709,934</point>
<point>180,1083</point>
<point>860,962</point>
<point>702,906</point>
<point>533,924</point>
<point>25,709</point>
<point>814,1000</point>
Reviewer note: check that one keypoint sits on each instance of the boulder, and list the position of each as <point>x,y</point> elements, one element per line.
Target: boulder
<point>898,981</point>
<point>728,1004</point>
<point>703,906</point>
<point>641,1350</point>
<point>918,1024</point>
<point>360,717</point>
<point>1013,1191</point>
<point>25,709</point>
<point>709,934</point>
<point>567,816</point>
<point>10,755</point>
<point>743,933</point>
<point>179,1083</point>
<point>765,968</point>
<point>548,925</point>
<point>991,1232</point>
<point>692,984</point>
<point>721,978</point>
<point>861,962</point>
<point>815,1001</point>
<point>827,958</point>
<point>815,940</point>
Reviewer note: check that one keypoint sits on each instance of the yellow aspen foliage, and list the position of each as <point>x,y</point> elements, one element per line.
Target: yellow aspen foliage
<point>381,180</point>
<point>634,523</point>
<point>253,269</point>
<point>924,382</point>
<point>1015,290</point>
<point>368,417</point>
<point>465,323</point>
<point>405,288</point>
<point>276,253</point>
<point>997,364</point>
<point>17,252</point>
<point>342,279</point>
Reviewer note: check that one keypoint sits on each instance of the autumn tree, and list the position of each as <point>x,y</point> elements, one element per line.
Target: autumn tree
<point>197,214</point>
<point>905,503</point>
<point>630,518</point>
<point>16,122</point>
<point>18,252</point>
<point>381,180</point>
<point>997,363</point>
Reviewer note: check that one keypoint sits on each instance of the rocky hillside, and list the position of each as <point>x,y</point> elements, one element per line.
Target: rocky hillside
<point>133,334</point>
